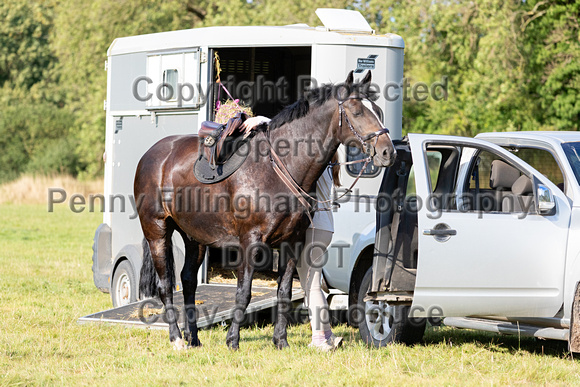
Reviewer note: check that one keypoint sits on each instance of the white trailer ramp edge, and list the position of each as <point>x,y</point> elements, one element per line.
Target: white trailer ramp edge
<point>215,303</point>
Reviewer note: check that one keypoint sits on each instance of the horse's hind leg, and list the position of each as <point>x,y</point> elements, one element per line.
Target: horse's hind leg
<point>244,290</point>
<point>194,255</point>
<point>159,238</point>
<point>284,302</point>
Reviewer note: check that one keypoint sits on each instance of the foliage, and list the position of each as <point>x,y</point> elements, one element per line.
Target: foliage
<point>25,55</point>
<point>80,39</point>
<point>554,27</point>
<point>258,12</point>
<point>510,64</point>
<point>36,138</point>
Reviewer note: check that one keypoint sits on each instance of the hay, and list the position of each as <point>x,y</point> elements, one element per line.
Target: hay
<point>258,294</point>
<point>229,109</point>
<point>147,312</point>
<point>218,275</point>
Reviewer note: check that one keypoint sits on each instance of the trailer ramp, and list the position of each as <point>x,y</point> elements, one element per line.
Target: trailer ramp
<point>215,303</point>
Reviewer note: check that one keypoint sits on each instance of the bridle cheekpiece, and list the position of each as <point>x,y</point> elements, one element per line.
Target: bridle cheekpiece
<point>369,150</point>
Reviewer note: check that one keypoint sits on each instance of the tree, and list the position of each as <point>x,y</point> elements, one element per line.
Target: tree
<point>258,12</point>
<point>552,28</point>
<point>512,65</point>
<point>35,138</point>
<point>31,121</point>
<point>25,54</point>
<point>81,38</point>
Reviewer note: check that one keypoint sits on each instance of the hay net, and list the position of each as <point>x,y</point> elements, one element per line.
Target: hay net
<point>231,107</point>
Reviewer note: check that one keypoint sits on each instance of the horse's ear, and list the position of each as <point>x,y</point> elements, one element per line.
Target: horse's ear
<point>367,78</point>
<point>349,79</point>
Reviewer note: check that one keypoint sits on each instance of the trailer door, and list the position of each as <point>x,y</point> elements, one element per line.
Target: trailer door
<point>478,254</point>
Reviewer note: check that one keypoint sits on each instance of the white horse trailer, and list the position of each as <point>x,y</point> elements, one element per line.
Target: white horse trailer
<point>266,68</point>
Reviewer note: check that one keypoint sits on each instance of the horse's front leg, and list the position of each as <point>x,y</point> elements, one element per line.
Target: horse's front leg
<point>194,256</point>
<point>284,302</point>
<point>244,290</point>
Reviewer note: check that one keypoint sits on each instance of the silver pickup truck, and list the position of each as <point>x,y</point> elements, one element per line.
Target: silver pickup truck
<point>486,235</point>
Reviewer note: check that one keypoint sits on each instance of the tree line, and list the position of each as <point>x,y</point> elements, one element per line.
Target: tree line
<point>509,65</point>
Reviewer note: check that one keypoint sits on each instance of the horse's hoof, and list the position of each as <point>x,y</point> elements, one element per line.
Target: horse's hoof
<point>233,346</point>
<point>195,344</point>
<point>281,344</point>
<point>179,345</point>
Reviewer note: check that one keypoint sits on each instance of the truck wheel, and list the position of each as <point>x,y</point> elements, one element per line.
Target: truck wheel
<point>384,324</point>
<point>123,286</point>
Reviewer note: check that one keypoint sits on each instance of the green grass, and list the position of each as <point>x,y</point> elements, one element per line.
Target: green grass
<point>46,284</point>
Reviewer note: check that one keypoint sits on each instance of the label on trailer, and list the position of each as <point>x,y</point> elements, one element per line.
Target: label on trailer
<point>118,125</point>
<point>367,63</point>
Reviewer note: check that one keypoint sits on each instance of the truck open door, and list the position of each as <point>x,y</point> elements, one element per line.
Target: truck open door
<point>491,236</point>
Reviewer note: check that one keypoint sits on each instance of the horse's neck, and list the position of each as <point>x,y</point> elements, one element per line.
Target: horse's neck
<point>312,141</point>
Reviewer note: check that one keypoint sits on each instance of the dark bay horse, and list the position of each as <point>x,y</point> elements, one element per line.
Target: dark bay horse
<point>304,136</point>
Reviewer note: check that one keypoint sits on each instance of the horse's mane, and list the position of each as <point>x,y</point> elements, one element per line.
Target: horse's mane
<point>300,108</point>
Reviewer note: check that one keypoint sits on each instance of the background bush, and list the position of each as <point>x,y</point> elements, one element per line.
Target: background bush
<point>511,65</point>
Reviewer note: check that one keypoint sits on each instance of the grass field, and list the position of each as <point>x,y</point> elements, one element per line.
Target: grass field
<point>46,284</point>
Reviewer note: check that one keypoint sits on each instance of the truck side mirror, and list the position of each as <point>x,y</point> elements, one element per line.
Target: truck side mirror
<point>546,202</point>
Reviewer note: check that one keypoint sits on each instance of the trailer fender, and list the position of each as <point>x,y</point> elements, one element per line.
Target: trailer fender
<point>102,257</point>
<point>131,253</point>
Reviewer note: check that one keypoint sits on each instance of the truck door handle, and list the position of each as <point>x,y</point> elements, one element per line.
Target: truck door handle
<point>434,232</point>
<point>441,232</point>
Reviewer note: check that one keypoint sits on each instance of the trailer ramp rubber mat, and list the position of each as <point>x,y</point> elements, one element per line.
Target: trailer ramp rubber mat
<point>215,303</point>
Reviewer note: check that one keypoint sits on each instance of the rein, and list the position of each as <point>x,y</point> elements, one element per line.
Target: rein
<point>297,190</point>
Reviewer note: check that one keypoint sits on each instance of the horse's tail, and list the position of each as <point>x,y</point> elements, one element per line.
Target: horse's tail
<point>149,282</point>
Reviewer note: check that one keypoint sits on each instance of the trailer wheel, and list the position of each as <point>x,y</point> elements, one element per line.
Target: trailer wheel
<point>123,286</point>
<point>383,324</point>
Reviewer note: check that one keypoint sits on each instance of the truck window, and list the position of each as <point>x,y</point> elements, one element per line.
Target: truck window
<point>572,150</point>
<point>434,159</point>
<point>543,161</point>
<point>484,171</point>
<point>494,185</point>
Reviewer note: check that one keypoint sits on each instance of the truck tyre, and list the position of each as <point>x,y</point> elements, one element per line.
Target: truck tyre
<point>382,324</point>
<point>574,335</point>
<point>124,287</point>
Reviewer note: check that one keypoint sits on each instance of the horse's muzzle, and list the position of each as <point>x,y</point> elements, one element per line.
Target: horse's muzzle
<point>386,158</point>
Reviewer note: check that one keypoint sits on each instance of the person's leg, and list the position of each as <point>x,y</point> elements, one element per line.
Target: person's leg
<point>310,272</point>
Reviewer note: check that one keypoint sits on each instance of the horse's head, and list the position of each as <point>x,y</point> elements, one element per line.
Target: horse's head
<point>360,122</point>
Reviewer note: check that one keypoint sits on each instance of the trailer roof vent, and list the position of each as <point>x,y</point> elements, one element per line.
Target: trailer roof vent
<point>343,20</point>
<point>298,25</point>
